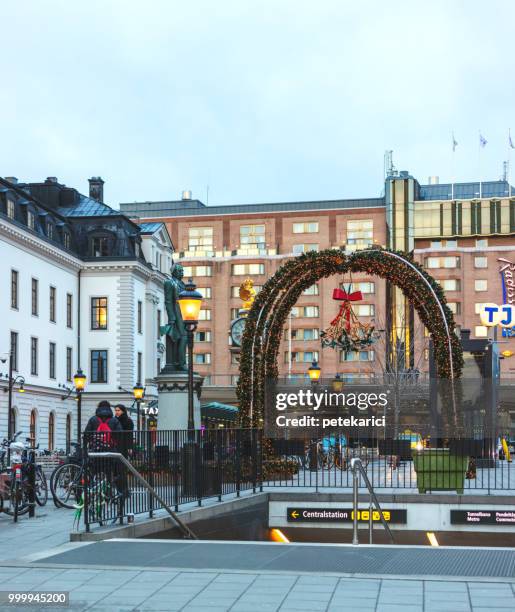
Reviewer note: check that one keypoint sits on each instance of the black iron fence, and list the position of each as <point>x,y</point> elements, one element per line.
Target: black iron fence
<point>181,466</point>
<point>410,460</point>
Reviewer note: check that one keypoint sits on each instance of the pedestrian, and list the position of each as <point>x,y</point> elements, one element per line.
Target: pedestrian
<point>127,425</point>
<point>102,425</point>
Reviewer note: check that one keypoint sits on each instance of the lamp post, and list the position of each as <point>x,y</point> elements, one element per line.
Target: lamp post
<point>79,380</point>
<point>314,375</point>
<point>314,372</point>
<point>11,381</point>
<point>337,384</point>
<point>190,301</point>
<point>138,392</point>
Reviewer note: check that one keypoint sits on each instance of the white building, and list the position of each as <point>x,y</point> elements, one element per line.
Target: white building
<point>83,288</point>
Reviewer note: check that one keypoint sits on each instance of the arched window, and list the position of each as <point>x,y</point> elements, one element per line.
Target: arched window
<point>51,431</point>
<point>33,426</point>
<point>68,431</point>
<point>13,420</point>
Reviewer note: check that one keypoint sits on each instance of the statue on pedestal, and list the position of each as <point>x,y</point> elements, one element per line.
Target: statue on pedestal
<point>175,330</point>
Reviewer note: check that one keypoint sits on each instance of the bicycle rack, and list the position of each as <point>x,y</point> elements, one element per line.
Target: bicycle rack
<point>356,466</point>
<point>182,526</point>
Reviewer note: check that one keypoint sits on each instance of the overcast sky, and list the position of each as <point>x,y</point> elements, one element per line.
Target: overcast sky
<point>269,100</point>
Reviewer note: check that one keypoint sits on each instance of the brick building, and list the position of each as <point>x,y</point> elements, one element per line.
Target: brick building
<point>464,234</point>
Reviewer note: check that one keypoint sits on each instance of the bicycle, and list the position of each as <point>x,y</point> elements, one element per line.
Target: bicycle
<point>66,481</point>
<point>101,493</point>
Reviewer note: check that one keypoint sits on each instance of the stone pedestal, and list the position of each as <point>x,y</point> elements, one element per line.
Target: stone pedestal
<point>173,400</point>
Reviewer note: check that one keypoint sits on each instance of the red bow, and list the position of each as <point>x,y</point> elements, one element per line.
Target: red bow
<point>345,308</point>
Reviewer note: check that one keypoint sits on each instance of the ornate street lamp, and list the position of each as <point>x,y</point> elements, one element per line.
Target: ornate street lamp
<point>79,380</point>
<point>190,301</point>
<point>11,381</point>
<point>314,372</point>
<point>337,383</point>
<point>138,391</point>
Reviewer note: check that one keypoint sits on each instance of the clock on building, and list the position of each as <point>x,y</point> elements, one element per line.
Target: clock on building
<point>237,327</point>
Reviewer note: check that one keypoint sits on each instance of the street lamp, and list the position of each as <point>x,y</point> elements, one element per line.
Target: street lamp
<point>11,381</point>
<point>79,380</point>
<point>190,301</point>
<point>337,383</point>
<point>138,392</point>
<point>314,372</point>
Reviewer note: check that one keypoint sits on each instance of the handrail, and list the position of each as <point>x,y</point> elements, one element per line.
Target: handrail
<point>356,465</point>
<point>182,526</point>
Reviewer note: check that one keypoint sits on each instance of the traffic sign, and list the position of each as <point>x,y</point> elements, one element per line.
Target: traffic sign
<point>343,515</point>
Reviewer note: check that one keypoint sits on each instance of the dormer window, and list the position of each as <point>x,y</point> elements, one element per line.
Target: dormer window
<point>10,208</point>
<point>99,246</point>
<point>50,230</point>
<point>66,239</point>
<point>31,220</point>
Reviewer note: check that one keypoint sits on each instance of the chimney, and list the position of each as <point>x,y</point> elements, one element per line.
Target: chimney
<point>433,180</point>
<point>12,179</point>
<point>186,195</point>
<point>96,188</point>
<point>51,179</point>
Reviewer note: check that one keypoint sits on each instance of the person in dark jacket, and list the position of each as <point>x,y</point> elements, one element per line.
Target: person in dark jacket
<point>127,424</point>
<point>103,414</point>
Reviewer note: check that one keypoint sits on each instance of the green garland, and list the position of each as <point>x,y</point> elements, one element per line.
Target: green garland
<point>266,319</point>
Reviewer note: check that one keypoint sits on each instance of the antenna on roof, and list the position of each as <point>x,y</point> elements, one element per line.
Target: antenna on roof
<point>207,195</point>
<point>505,170</point>
<point>389,168</point>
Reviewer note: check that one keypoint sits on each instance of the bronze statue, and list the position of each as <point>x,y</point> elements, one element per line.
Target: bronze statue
<point>175,331</point>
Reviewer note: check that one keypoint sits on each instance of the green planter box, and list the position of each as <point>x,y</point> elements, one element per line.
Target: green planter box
<point>438,470</point>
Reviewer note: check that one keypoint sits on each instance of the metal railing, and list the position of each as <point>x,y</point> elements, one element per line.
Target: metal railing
<point>356,466</point>
<point>177,466</point>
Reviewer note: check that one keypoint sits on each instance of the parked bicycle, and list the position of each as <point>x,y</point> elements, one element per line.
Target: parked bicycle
<point>16,479</point>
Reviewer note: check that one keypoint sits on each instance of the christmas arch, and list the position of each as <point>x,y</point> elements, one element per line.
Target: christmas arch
<point>269,312</point>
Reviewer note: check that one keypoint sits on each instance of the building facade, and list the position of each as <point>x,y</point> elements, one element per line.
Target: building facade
<point>83,288</point>
<point>463,234</point>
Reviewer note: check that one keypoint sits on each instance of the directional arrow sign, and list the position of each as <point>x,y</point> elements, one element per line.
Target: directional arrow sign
<point>343,515</point>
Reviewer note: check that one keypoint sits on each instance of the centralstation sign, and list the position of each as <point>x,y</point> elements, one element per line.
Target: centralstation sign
<point>483,517</point>
<point>343,515</point>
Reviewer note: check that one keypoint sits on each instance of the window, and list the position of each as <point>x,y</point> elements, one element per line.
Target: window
<point>140,317</point>
<point>481,331</point>
<point>69,363</point>
<point>31,221</point>
<point>475,217</point>
<point>481,285</point>
<point>442,262</point>
<point>99,246</point>
<point>158,324</point>
<point>245,269</point>
<point>450,284</point>
<point>69,305</point>
<point>451,244</point>
<point>495,217</point>
<point>99,313</point>
<point>34,297</point>
<point>14,350</point>
<point>13,420</point>
<point>139,371</point>
<point>481,243</point>
<point>159,365</point>
<point>235,290</point>
<point>252,235</point>
<point>360,233</point>
<point>305,311</point>
<point>34,356</point>
<point>235,313</point>
<point>204,315</point>
<point>202,358</point>
<point>10,208</point>
<point>98,366</point>
<point>298,249</point>
<point>313,290</point>
<point>50,230</point>
<point>365,310</point>
<point>194,271</point>
<point>33,427</point>
<point>66,240</point>
<point>301,356</point>
<point>205,292</point>
<point>478,307</point>
<point>356,356</point>
<point>364,287</point>
<point>51,360</point>
<point>305,228</point>
<point>14,289</point>
<point>480,262</point>
<point>51,431</point>
<point>304,334</point>
<point>203,336</point>
<point>455,307</point>
<point>235,359</point>
<point>200,239</point>
<point>68,432</point>
<point>52,304</point>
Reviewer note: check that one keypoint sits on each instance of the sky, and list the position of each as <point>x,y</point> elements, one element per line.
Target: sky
<point>254,101</point>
